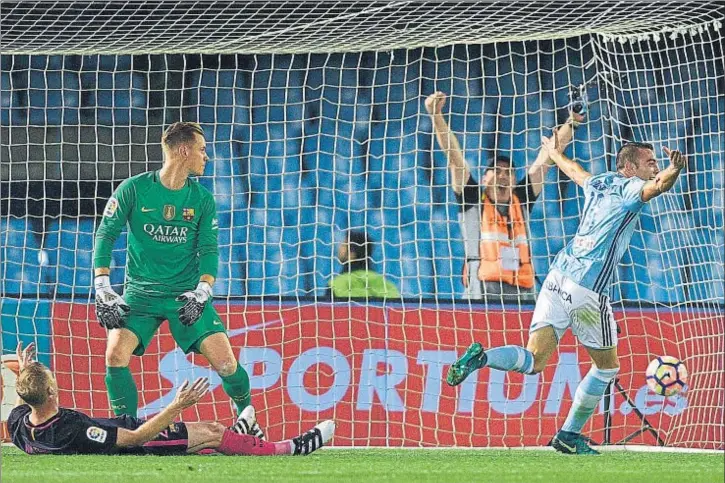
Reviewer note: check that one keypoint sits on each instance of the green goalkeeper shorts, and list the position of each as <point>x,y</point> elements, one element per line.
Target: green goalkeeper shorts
<point>148,313</point>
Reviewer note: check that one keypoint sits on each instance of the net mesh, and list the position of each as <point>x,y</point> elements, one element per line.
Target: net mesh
<point>214,27</point>
<point>308,145</point>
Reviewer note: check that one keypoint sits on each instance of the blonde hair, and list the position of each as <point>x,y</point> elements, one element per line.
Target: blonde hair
<point>33,383</point>
<point>180,133</point>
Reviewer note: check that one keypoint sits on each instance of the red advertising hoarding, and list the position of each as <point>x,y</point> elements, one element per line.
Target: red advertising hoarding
<point>379,372</point>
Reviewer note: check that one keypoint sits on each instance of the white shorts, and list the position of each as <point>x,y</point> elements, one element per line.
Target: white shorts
<point>562,303</point>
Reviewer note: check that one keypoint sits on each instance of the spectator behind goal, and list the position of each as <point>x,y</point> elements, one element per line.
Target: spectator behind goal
<point>494,211</point>
<point>357,279</point>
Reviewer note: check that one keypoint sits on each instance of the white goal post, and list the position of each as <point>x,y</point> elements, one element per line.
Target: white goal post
<point>315,121</point>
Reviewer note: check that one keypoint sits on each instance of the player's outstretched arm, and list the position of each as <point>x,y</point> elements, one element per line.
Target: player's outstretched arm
<point>665,179</point>
<point>539,168</point>
<point>448,141</point>
<point>570,168</point>
<point>186,396</point>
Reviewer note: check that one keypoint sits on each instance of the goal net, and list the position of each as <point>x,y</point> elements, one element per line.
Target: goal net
<point>315,121</point>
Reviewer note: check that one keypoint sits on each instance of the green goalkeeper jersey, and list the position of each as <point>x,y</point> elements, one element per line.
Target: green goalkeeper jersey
<point>172,235</point>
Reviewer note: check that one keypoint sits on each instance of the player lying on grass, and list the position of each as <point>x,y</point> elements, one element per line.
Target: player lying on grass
<point>576,291</point>
<point>40,426</point>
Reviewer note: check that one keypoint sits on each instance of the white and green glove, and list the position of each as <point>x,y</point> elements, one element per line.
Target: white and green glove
<point>195,300</point>
<point>111,309</point>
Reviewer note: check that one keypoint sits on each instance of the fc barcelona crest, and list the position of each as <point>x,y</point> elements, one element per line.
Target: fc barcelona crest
<point>188,214</point>
<point>169,212</point>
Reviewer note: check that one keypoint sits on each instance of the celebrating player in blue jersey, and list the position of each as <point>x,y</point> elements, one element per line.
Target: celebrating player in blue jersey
<point>576,291</point>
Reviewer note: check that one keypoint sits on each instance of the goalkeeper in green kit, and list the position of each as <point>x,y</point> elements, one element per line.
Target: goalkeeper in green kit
<point>172,263</point>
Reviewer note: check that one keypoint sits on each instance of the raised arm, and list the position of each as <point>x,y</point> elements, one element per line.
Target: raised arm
<point>665,179</point>
<point>571,168</point>
<point>25,357</point>
<point>185,397</point>
<point>539,168</point>
<point>448,141</point>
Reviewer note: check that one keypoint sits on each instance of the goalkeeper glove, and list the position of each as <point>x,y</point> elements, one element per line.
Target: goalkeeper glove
<point>195,300</point>
<point>110,307</point>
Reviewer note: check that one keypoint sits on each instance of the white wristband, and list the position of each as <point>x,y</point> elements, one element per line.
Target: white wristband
<point>205,287</point>
<point>102,282</point>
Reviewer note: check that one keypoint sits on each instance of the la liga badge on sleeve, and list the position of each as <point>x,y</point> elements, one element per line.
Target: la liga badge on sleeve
<point>96,434</point>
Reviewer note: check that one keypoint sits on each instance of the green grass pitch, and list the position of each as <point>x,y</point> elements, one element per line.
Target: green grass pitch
<point>500,466</point>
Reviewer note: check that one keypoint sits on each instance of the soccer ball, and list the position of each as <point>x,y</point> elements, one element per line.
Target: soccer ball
<point>666,375</point>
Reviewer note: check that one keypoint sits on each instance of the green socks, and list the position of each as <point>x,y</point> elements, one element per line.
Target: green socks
<point>122,393</point>
<point>237,387</point>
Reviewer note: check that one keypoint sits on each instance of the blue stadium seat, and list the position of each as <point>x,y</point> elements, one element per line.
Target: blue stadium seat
<point>10,110</point>
<point>107,63</point>
<point>538,243</point>
<point>118,261</point>
<point>307,231</point>
<point>20,258</point>
<point>72,240</point>
<point>389,251</point>
<point>704,256</point>
<point>665,263</point>
<point>42,62</point>
<point>232,255</point>
<point>230,193</point>
<point>448,255</point>
<point>290,268</point>
<point>220,155</point>
<point>28,320</point>
<point>120,98</point>
<point>418,247</point>
<point>325,245</point>
<point>229,280</point>
<point>45,98</point>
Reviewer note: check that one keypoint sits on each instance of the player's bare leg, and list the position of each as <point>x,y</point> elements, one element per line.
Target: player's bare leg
<point>214,436</point>
<point>604,358</point>
<point>586,399</point>
<point>122,392</point>
<point>235,380</point>
<point>532,360</point>
<point>542,344</point>
<point>204,436</point>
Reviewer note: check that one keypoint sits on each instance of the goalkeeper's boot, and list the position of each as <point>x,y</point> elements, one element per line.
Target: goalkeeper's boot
<point>247,423</point>
<point>571,443</point>
<point>313,439</point>
<point>474,359</point>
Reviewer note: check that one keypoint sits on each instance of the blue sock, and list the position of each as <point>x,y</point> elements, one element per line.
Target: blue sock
<point>510,358</point>
<point>587,397</point>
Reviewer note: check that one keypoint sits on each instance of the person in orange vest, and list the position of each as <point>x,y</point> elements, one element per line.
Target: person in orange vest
<point>494,213</point>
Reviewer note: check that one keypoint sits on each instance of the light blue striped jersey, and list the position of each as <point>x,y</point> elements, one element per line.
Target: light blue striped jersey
<point>612,206</point>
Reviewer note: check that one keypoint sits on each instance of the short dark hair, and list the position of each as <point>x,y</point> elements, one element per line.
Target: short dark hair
<point>32,384</point>
<point>628,153</point>
<point>500,160</point>
<point>359,243</point>
<point>181,133</point>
